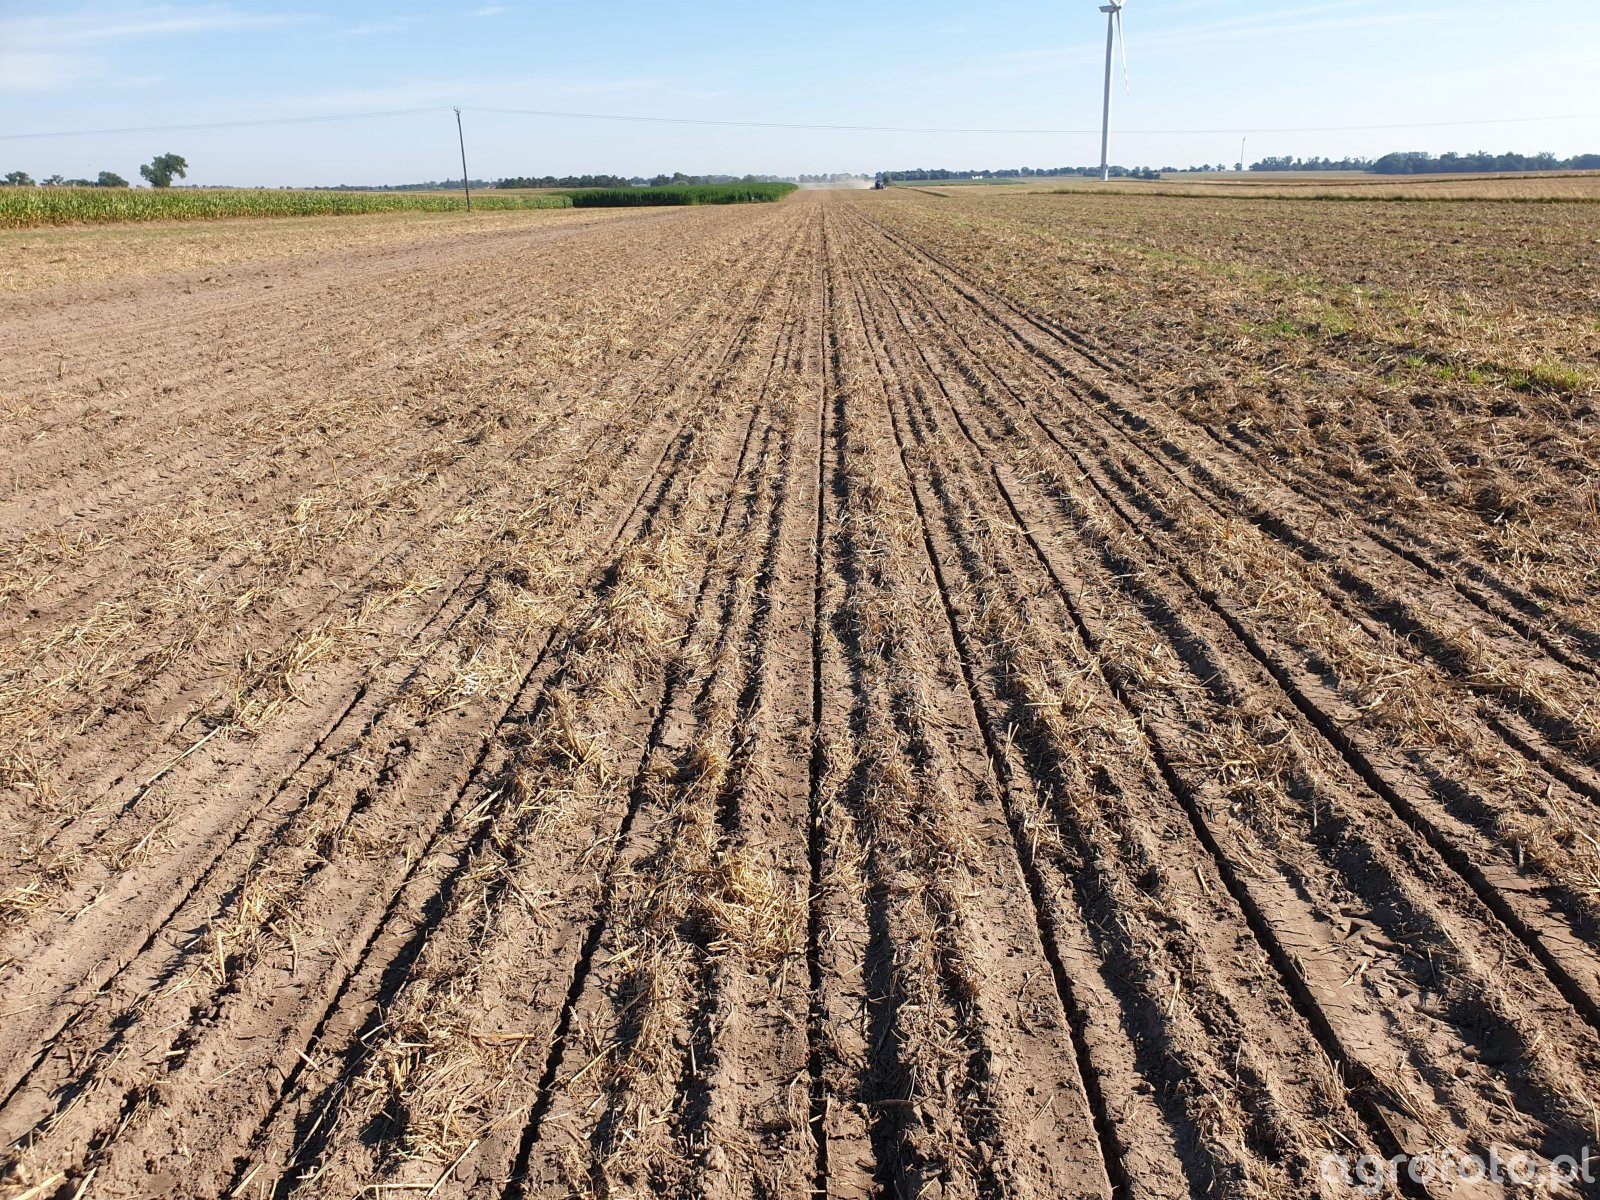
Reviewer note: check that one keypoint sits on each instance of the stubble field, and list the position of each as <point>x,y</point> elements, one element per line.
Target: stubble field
<point>904,695</point>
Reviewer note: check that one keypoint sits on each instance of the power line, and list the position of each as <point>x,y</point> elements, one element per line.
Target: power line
<point>796,125</point>
<point>534,112</point>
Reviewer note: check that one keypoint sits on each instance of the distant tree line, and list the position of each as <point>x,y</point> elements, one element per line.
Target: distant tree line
<point>1416,162</point>
<point>106,179</point>
<point>159,172</point>
<point>1419,162</point>
<point>565,181</point>
<point>432,185</point>
<point>1404,163</point>
<point>677,178</point>
<point>935,174</point>
<point>164,168</point>
<point>1287,163</point>
<point>573,182</point>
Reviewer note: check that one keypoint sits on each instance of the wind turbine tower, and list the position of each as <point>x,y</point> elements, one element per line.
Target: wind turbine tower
<point>1113,12</point>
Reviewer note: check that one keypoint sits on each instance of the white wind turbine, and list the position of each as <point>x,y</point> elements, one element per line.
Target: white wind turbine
<point>1113,12</point>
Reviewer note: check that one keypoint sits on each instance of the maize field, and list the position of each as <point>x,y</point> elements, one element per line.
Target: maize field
<point>27,207</point>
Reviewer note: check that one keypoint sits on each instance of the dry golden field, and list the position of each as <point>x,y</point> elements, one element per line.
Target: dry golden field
<point>988,694</point>
<point>1573,187</point>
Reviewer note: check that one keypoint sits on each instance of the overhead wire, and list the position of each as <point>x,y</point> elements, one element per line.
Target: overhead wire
<point>558,114</point>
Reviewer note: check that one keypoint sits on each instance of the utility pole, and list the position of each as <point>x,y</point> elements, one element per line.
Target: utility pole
<point>466,183</point>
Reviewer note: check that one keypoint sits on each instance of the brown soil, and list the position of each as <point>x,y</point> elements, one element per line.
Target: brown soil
<point>751,702</point>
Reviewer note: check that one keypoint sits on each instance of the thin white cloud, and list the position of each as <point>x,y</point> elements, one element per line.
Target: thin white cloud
<point>490,10</point>
<point>508,92</point>
<point>62,51</point>
<point>1271,19</point>
<point>87,26</point>
<point>396,25</point>
<point>1315,18</point>
<point>37,71</point>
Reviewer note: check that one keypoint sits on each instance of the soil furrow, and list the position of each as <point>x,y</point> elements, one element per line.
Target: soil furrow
<point>1052,822</point>
<point>146,885</point>
<point>1298,476</point>
<point>1410,606</point>
<point>1031,1130</point>
<point>1318,1013</point>
<point>448,757</point>
<point>1423,785</point>
<point>515,826</point>
<point>575,457</point>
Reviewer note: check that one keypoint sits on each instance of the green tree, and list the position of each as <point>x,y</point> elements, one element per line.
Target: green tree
<point>112,179</point>
<point>161,169</point>
<point>19,179</point>
<point>54,181</point>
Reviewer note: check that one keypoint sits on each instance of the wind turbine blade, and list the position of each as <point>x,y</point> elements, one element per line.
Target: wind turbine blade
<point>1122,40</point>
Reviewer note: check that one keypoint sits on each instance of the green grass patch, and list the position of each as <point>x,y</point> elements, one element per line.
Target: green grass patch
<point>1562,379</point>
<point>1449,372</point>
<point>1282,328</point>
<point>1545,376</point>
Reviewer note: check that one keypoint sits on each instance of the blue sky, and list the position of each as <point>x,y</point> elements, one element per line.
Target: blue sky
<point>1195,64</point>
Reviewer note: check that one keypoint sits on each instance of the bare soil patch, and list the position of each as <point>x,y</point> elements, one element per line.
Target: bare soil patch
<point>881,695</point>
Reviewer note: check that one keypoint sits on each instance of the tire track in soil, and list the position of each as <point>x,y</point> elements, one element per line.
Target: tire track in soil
<point>313,793</point>
<point>1407,612</point>
<point>264,359</point>
<point>712,373</point>
<point>745,1109</point>
<point>138,712</point>
<point>1304,938</point>
<point>312,1113</point>
<point>1132,1140</point>
<point>1020,1123</point>
<point>1293,476</point>
<point>836,933</point>
<point>1454,566</point>
<point>109,325</point>
<point>148,712</point>
<point>685,901</point>
<point>157,888</point>
<point>1558,931</point>
<point>158,460</point>
<point>1282,471</point>
<point>1510,683</point>
<point>1101,888</point>
<point>165,749</point>
<point>1295,970</point>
